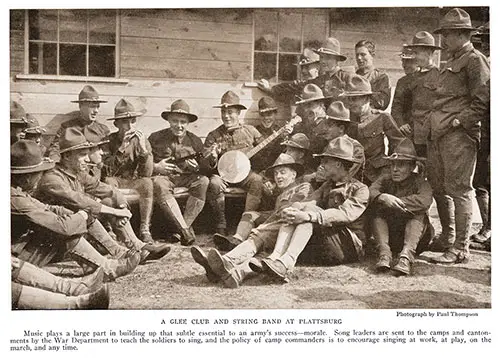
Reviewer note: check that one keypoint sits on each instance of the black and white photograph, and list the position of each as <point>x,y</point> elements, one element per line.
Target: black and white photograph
<point>244,158</point>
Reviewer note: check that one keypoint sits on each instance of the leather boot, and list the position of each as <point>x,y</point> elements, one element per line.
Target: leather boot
<point>194,206</point>
<point>446,212</point>
<point>246,224</point>
<point>85,254</point>
<point>224,268</point>
<point>101,235</point>
<point>172,210</point>
<point>146,212</point>
<point>243,252</point>
<point>405,261</point>
<point>380,232</point>
<point>156,251</point>
<point>31,275</point>
<point>226,243</point>
<point>126,235</point>
<point>201,258</point>
<point>219,210</point>
<point>483,201</point>
<point>35,298</point>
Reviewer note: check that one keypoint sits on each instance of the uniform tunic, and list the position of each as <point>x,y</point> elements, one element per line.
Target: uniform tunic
<point>380,87</point>
<point>401,103</point>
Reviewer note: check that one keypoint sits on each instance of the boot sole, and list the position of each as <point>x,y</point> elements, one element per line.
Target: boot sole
<point>272,272</point>
<point>201,259</point>
<point>256,267</point>
<point>160,254</point>
<point>216,263</point>
<point>222,243</point>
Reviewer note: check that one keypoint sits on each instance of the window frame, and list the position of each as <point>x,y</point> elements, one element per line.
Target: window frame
<point>26,75</point>
<point>324,14</point>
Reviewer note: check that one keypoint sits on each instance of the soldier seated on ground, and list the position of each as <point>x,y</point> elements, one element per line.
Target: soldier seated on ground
<point>329,222</point>
<point>233,267</point>
<point>399,202</point>
<point>43,233</point>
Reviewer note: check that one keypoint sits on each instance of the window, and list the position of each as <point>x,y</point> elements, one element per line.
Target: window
<point>72,42</point>
<point>280,37</point>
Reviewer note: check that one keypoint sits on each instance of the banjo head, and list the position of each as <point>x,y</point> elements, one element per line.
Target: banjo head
<point>233,166</point>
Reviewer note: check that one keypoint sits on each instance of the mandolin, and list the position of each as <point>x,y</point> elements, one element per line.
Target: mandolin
<point>234,165</point>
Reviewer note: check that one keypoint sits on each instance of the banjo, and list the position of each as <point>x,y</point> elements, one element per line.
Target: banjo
<point>234,165</point>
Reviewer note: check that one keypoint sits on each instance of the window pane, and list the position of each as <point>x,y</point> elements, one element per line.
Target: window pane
<point>102,26</point>
<point>265,66</point>
<point>314,30</point>
<point>72,60</point>
<point>43,58</point>
<point>288,67</point>
<point>43,25</point>
<point>290,31</point>
<point>266,25</point>
<point>73,25</point>
<point>102,61</point>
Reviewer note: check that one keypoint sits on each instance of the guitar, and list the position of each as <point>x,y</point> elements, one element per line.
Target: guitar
<point>234,165</point>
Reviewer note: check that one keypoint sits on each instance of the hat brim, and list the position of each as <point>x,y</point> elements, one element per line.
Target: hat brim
<point>404,157</point>
<point>35,130</point>
<point>406,57</point>
<point>306,63</point>
<point>355,94</point>
<point>299,168</point>
<point>266,110</point>
<point>424,46</point>
<point>125,116</point>
<point>289,143</point>
<point>313,100</point>
<point>352,160</point>
<point>337,119</point>
<point>90,101</point>
<point>44,165</point>
<point>330,53</point>
<point>191,117</point>
<point>441,29</point>
<point>18,121</point>
<point>226,105</point>
<point>77,147</point>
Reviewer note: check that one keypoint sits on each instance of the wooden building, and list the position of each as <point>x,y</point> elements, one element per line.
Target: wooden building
<point>155,56</point>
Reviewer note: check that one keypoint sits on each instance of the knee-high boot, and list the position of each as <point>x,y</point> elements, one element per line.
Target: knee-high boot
<point>99,233</point>
<point>146,212</point>
<point>194,206</point>
<point>218,206</point>
<point>171,209</point>
<point>446,212</point>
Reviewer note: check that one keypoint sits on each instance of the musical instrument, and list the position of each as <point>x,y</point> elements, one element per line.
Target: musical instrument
<point>234,165</point>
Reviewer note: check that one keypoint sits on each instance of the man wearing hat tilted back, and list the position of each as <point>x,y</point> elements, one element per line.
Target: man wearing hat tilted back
<point>178,162</point>
<point>231,135</point>
<point>399,202</point>
<point>233,267</point>
<point>129,164</point>
<point>329,222</point>
<point>70,185</point>
<point>370,127</point>
<point>455,126</point>
<point>401,105</point>
<point>42,233</point>
<point>88,104</point>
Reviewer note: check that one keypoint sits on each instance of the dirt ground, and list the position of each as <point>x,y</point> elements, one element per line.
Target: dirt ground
<point>177,282</point>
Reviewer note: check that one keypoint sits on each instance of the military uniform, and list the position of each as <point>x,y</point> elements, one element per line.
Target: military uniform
<point>268,154</point>
<point>370,131</point>
<point>401,103</point>
<point>380,86</point>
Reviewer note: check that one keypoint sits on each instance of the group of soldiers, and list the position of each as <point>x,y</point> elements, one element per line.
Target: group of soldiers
<point>323,186</point>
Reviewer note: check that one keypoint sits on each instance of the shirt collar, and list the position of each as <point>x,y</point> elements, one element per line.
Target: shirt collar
<point>465,48</point>
<point>65,172</point>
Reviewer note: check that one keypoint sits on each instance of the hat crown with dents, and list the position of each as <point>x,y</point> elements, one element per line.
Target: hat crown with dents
<point>230,99</point>
<point>32,125</point>
<point>286,160</point>
<point>455,19</point>
<point>298,140</point>
<point>357,86</point>
<point>331,47</point>
<point>95,135</point>
<point>405,150</point>
<point>340,148</point>
<point>125,109</point>
<point>180,106</point>
<point>267,104</point>
<point>308,57</point>
<point>89,94</point>
<point>337,111</point>
<point>423,39</point>
<point>407,53</point>
<point>311,92</point>
<point>26,157</point>
<point>73,139</point>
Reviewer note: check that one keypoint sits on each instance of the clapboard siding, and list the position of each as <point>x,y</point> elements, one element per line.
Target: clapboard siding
<point>16,47</point>
<point>238,16</point>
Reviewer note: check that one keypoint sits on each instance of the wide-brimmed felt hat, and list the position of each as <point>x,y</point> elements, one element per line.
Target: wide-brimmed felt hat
<point>423,39</point>
<point>73,139</point>
<point>124,109</point>
<point>407,53</point>
<point>331,47</point>
<point>89,94</point>
<point>286,160</point>
<point>26,157</point>
<point>308,57</point>
<point>311,93</point>
<point>340,148</point>
<point>95,135</point>
<point>17,113</point>
<point>32,125</point>
<point>357,86</point>
<point>298,140</point>
<point>267,104</point>
<point>180,107</point>
<point>230,99</point>
<point>455,19</point>
<point>405,150</point>
<point>338,112</point>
